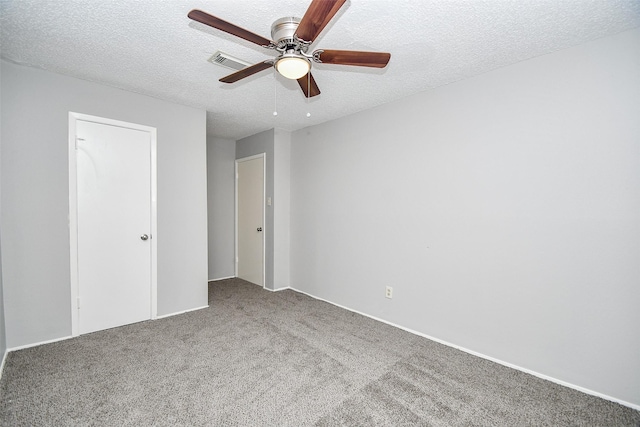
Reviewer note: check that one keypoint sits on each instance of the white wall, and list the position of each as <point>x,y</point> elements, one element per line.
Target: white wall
<point>35,234</point>
<point>281,208</point>
<point>221,155</point>
<point>503,209</point>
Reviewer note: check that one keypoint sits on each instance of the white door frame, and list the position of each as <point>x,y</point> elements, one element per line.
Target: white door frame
<point>263,156</point>
<point>73,212</point>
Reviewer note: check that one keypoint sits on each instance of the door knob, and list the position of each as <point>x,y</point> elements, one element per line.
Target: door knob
<point>144,237</point>
<point>259,228</point>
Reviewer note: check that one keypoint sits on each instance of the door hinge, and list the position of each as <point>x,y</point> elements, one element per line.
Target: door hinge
<point>78,303</point>
<point>78,139</point>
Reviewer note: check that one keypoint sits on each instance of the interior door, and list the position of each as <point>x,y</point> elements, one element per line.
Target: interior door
<point>114,225</point>
<point>250,225</point>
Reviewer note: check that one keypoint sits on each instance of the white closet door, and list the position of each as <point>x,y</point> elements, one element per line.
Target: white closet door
<point>114,225</point>
<point>250,220</point>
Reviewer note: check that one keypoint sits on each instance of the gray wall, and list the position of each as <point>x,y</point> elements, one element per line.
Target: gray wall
<point>281,209</point>
<point>503,209</point>
<point>263,142</point>
<point>3,332</point>
<point>221,155</point>
<point>35,234</point>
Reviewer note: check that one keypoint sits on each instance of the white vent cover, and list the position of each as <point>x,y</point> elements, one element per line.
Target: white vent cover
<point>228,61</point>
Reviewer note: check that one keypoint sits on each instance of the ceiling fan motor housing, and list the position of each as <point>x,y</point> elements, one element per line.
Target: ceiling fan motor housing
<point>282,33</point>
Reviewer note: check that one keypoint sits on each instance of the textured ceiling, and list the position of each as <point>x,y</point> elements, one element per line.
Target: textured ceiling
<point>151,47</point>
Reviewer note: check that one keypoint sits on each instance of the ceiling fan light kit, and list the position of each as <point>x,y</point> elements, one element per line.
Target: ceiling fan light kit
<point>293,66</point>
<point>292,37</point>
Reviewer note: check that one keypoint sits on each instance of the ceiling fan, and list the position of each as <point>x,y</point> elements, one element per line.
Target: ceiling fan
<point>292,38</point>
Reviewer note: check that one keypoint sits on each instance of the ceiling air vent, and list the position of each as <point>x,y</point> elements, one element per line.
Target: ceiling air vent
<point>228,61</point>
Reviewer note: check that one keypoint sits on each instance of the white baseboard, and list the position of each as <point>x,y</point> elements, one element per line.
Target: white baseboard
<point>21,347</point>
<point>278,290</point>
<point>492,359</point>
<point>180,312</point>
<point>221,278</point>
<point>263,287</point>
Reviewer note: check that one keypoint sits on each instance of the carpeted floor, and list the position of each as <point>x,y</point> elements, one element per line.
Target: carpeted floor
<point>259,358</point>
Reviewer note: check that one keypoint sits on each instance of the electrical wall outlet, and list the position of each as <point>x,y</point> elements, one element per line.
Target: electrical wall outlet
<point>388,292</point>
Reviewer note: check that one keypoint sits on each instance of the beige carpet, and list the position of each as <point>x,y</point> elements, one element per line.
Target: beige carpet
<point>258,358</point>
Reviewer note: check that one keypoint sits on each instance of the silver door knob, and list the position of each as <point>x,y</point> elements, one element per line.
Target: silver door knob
<point>144,237</point>
<point>259,228</point>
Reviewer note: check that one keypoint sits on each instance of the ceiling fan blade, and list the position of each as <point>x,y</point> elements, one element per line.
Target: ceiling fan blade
<point>317,17</point>
<point>227,27</point>
<point>246,72</point>
<point>352,57</point>
<point>309,90</point>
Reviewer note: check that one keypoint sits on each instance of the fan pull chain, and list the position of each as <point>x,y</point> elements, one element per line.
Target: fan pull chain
<point>275,93</point>
<point>308,92</point>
